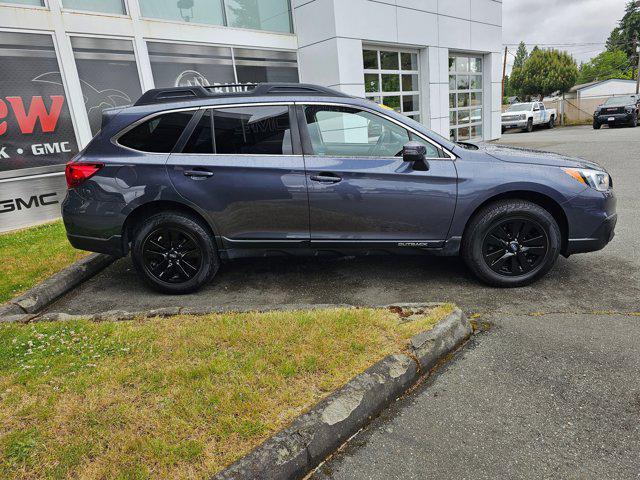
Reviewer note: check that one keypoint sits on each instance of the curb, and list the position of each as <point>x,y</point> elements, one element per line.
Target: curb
<point>49,290</point>
<point>301,447</point>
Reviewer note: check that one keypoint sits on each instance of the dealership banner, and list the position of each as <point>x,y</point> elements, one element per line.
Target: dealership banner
<point>35,122</point>
<point>36,130</point>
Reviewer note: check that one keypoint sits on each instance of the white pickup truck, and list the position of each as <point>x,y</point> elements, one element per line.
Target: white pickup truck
<point>528,115</point>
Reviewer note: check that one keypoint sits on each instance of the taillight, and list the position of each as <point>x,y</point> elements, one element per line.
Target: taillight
<point>78,172</point>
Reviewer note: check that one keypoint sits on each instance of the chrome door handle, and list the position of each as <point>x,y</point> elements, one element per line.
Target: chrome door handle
<point>326,178</point>
<point>198,173</point>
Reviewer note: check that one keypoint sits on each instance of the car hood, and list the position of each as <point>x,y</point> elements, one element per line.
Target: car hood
<point>534,157</point>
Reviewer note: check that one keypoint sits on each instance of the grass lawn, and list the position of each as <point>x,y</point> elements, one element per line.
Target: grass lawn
<point>174,398</point>
<point>31,255</point>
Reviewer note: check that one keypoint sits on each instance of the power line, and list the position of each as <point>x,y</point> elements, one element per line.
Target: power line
<point>577,44</point>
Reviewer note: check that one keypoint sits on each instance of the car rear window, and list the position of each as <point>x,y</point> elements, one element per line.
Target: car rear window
<point>157,135</point>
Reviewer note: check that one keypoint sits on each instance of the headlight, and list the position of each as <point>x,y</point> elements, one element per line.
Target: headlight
<point>601,181</point>
<point>523,116</point>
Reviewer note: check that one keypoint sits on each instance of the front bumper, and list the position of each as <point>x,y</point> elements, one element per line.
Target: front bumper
<point>614,119</point>
<point>514,124</point>
<point>600,238</point>
<point>592,219</point>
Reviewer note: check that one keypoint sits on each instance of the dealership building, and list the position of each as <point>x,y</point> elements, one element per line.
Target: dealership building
<point>64,61</point>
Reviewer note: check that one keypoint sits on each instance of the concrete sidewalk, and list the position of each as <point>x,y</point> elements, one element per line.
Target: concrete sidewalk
<point>554,396</point>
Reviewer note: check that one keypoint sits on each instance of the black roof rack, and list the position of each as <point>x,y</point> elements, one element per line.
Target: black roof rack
<point>178,94</point>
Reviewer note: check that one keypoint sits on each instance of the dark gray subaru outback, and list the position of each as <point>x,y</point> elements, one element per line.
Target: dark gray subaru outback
<point>188,178</point>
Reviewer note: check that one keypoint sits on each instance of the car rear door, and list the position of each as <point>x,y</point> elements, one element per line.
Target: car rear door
<point>243,165</point>
<point>361,190</point>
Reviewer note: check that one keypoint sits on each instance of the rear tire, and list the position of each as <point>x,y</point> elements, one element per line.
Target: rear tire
<point>504,256</point>
<point>634,121</point>
<point>530,125</point>
<point>174,253</point>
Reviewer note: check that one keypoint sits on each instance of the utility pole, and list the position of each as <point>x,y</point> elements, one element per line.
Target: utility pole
<point>504,72</point>
<point>637,50</point>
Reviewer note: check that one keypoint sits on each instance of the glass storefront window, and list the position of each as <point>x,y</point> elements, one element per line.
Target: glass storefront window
<point>108,75</point>
<point>392,78</point>
<point>270,15</point>
<point>35,123</point>
<point>255,66</point>
<point>196,11</point>
<point>102,6</point>
<point>178,65</point>
<point>465,97</point>
<point>35,3</point>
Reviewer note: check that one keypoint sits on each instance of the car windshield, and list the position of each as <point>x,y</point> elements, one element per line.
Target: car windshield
<point>520,107</point>
<point>619,101</point>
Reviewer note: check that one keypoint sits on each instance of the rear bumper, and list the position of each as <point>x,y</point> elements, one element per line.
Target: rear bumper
<point>614,119</point>
<point>111,246</point>
<point>600,238</point>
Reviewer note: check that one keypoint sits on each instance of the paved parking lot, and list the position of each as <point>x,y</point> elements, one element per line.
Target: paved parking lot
<point>607,280</point>
<point>552,390</point>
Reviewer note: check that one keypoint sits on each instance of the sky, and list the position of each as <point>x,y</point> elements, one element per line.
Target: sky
<point>560,22</point>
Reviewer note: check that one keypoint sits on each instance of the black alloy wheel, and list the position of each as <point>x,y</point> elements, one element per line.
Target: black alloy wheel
<point>511,243</point>
<point>515,247</point>
<point>174,252</point>
<point>171,255</point>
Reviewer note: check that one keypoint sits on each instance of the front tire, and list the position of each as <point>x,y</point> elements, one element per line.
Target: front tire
<point>174,253</point>
<point>634,121</point>
<point>530,125</point>
<point>511,243</point>
<point>596,125</point>
<point>552,122</point>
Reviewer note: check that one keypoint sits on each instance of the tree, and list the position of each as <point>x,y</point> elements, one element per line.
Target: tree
<point>622,36</point>
<point>545,72</point>
<point>521,56</point>
<point>609,64</point>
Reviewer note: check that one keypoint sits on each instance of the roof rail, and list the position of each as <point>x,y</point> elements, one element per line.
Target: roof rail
<point>177,94</point>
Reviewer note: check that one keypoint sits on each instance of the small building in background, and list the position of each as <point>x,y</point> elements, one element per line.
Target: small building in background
<point>604,88</point>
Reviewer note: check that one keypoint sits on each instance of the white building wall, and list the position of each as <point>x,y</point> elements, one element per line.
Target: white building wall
<point>609,88</point>
<point>332,33</point>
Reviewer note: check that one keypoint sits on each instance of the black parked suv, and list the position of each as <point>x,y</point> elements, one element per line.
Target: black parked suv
<point>617,111</point>
<point>188,178</point>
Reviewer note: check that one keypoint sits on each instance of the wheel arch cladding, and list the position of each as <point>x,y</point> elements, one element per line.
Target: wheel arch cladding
<point>540,199</point>
<point>159,206</point>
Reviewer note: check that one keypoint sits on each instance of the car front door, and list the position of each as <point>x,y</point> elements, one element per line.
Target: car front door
<point>537,114</point>
<point>244,167</point>
<point>360,189</point>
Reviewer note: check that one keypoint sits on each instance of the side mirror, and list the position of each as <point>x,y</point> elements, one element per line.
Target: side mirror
<point>415,153</point>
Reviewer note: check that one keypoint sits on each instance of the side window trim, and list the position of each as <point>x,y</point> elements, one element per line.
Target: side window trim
<point>306,138</point>
<point>188,131</point>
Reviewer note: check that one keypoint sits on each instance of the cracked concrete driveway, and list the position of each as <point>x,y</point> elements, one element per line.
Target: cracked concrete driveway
<point>606,280</point>
<point>555,394</point>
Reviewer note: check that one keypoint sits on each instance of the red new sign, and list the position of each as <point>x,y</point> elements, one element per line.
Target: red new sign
<point>37,112</point>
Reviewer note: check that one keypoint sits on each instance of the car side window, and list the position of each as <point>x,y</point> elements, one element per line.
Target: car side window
<point>345,131</point>
<point>259,130</point>
<point>157,135</point>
